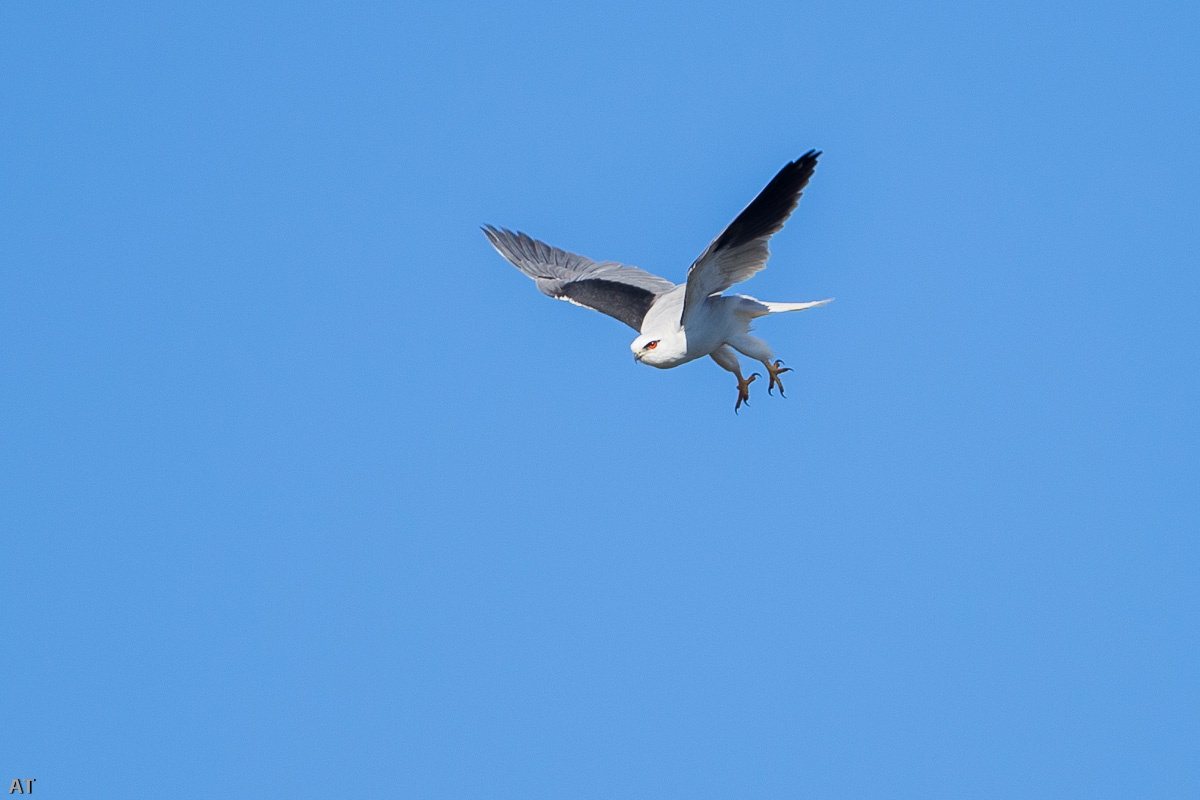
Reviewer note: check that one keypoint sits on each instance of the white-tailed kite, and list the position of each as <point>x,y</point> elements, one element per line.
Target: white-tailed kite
<point>680,323</point>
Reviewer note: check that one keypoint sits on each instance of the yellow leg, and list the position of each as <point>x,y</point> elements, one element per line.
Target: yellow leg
<point>744,391</point>
<point>775,371</point>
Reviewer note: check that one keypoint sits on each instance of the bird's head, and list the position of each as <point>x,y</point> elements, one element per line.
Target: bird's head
<point>659,350</point>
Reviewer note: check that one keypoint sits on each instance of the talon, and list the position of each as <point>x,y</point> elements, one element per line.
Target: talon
<point>775,371</point>
<point>744,391</point>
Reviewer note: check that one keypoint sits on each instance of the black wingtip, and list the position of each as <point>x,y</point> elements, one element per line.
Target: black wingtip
<point>766,213</point>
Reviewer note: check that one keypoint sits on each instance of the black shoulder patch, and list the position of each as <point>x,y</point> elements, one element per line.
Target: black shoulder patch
<point>620,300</point>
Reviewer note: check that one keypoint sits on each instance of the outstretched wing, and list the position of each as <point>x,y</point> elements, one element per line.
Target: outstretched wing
<point>625,293</point>
<point>741,249</point>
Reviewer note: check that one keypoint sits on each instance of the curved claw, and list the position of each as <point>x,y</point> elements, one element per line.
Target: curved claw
<point>775,371</point>
<point>744,391</point>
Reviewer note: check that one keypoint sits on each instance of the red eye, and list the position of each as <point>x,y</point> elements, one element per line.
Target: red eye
<point>652,345</point>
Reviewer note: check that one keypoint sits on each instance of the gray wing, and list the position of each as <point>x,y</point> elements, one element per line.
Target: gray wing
<point>741,249</point>
<point>625,293</point>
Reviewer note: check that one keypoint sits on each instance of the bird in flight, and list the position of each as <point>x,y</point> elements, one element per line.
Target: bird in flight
<point>680,323</point>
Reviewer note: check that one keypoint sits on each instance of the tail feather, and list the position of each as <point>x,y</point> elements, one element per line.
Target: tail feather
<point>776,308</point>
<point>750,308</point>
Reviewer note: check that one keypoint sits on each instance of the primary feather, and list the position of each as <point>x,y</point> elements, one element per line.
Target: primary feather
<point>623,292</point>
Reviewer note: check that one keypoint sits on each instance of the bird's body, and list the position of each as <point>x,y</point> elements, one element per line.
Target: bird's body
<point>680,323</point>
<point>721,320</point>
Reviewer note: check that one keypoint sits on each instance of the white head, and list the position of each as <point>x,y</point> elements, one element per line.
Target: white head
<point>660,350</point>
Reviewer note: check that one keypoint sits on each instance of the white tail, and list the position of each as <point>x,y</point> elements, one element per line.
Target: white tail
<point>776,308</point>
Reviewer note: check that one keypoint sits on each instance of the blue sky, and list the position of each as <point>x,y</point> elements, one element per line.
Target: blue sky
<point>305,490</point>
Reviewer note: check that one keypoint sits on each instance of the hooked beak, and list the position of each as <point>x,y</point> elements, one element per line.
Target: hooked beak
<point>637,357</point>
